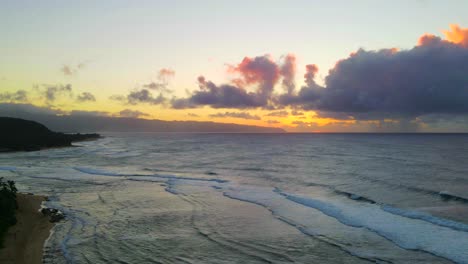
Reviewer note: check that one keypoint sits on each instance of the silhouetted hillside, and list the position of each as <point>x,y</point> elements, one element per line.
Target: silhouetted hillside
<point>90,123</point>
<point>120,124</point>
<point>20,134</point>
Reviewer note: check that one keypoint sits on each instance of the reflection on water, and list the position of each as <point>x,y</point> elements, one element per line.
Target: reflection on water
<point>252,198</point>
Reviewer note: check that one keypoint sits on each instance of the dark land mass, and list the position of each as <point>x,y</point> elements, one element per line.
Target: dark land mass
<point>86,123</point>
<point>24,135</point>
<point>122,124</point>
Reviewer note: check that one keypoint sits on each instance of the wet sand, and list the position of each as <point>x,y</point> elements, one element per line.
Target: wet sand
<point>24,241</point>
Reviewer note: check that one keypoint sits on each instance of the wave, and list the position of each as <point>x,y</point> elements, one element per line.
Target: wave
<point>445,196</point>
<point>8,168</point>
<point>97,172</point>
<point>355,197</point>
<point>94,171</point>
<point>426,217</point>
<point>408,234</point>
<point>279,208</point>
<point>410,214</point>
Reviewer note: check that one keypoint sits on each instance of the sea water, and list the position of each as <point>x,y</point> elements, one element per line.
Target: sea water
<point>253,198</point>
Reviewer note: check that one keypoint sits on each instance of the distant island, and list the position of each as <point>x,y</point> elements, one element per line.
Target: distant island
<point>25,135</point>
<point>88,123</point>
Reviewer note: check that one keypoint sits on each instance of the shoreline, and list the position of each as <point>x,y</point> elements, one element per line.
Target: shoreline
<point>24,242</point>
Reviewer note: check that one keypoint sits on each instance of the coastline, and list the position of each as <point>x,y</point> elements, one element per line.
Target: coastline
<point>25,240</point>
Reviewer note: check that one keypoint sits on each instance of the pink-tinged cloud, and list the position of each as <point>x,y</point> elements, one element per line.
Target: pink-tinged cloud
<point>261,71</point>
<point>165,72</point>
<point>428,39</point>
<point>430,78</point>
<point>288,71</point>
<point>309,76</point>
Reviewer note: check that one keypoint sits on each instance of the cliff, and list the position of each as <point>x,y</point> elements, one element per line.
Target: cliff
<point>19,134</point>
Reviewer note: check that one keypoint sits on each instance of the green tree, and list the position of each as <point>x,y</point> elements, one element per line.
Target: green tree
<point>8,206</point>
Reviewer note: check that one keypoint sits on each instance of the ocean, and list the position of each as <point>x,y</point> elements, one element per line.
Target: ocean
<point>253,198</point>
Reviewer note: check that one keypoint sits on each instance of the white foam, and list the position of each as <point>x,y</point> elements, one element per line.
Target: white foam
<point>96,171</point>
<point>426,217</point>
<point>144,177</point>
<point>407,233</point>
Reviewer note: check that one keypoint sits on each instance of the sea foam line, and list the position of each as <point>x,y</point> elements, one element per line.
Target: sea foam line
<point>160,176</point>
<point>412,234</point>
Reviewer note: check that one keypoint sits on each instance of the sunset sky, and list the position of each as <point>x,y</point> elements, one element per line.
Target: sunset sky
<point>306,66</point>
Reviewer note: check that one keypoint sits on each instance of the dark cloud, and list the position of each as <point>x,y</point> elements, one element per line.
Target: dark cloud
<point>429,78</point>
<point>278,114</point>
<point>18,96</point>
<point>88,113</point>
<point>272,121</point>
<point>288,71</point>
<point>297,113</point>
<point>85,97</point>
<point>242,115</point>
<point>51,92</point>
<point>139,96</point>
<point>260,72</point>
<point>144,96</point>
<point>132,113</point>
<point>224,96</point>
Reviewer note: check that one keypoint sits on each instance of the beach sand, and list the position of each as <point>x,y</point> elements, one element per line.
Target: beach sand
<point>24,241</point>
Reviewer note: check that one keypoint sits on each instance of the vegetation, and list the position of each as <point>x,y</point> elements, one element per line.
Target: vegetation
<point>18,135</point>
<point>8,206</point>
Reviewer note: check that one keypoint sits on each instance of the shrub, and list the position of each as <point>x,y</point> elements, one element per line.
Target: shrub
<point>8,206</point>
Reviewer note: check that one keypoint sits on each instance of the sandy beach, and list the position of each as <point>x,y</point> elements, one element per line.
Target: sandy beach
<point>24,241</point>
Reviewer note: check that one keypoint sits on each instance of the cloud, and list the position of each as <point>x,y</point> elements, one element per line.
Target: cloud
<point>297,113</point>
<point>457,35</point>
<point>51,92</point>
<point>278,114</point>
<point>144,96</point>
<point>18,96</point>
<point>309,76</point>
<point>70,70</point>
<point>224,96</point>
<point>140,96</point>
<point>132,113</point>
<point>118,98</point>
<point>165,72</point>
<point>88,113</point>
<point>261,72</point>
<point>242,115</point>
<point>67,70</point>
<point>85,97</point>
<point>272,121</point>
<point>288,71</point>
<point>162,82</point>
<point>429,78</point>
<point>193,115</point>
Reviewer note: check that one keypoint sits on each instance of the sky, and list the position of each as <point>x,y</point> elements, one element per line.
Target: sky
<point>305,66</point>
